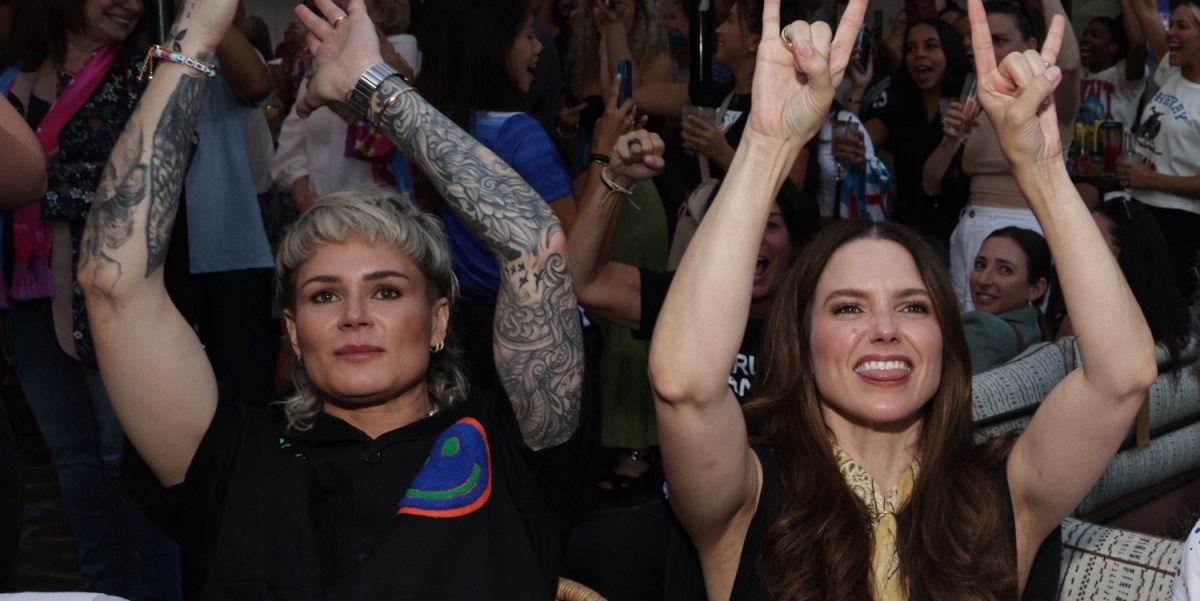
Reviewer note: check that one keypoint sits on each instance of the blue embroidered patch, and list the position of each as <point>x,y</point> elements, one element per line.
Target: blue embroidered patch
<point>456,478</point>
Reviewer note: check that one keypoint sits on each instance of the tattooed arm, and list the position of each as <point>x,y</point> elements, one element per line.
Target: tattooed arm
<point>537,339</point>
<point>154,368</point>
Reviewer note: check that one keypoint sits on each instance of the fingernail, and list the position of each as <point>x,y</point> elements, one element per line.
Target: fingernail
<point>806,48</point>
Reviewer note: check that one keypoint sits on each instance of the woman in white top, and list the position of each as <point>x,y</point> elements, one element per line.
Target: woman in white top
<point>1168,136</point>
<point>311,159</point>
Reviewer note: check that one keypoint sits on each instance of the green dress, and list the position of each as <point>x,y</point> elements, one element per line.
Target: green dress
<point>640,239</point>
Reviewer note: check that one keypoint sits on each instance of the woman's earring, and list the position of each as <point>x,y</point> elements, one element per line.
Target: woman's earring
<point>300,361</point>
<point>437,348</point>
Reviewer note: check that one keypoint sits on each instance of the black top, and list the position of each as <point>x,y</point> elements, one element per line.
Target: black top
<point>911,139</point>
<point>454,506</point>
<point>654,286</point>
<point>1042,584</point>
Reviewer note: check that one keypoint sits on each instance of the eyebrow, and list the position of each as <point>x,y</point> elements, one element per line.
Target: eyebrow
<point>382,274</point>
<point>856,293</point>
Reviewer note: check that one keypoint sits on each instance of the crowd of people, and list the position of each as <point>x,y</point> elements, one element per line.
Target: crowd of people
<point>387,310</point>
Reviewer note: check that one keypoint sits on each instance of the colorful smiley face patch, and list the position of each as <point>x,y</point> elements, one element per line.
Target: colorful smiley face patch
<point>456,478</point>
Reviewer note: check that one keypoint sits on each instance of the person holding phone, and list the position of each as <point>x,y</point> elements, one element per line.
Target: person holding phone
<point>604,33</point>
<point>910,124</point>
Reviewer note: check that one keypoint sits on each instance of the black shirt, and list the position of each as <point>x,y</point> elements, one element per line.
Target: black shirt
<point>654,286</point>
<point>454,506</point>
<point>1041,585</point>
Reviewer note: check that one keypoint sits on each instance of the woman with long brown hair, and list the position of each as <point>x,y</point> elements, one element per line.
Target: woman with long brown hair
<point>862,480</point>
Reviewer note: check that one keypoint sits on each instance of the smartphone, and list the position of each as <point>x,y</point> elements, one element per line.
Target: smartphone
<point>625,69</point>
<point>863,60</point>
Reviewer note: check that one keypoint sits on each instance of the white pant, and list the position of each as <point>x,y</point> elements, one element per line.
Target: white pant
<point>975,223</point>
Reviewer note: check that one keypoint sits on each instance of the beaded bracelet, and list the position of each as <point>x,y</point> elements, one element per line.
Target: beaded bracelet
<point>161,53</point>
<point>614,186</point>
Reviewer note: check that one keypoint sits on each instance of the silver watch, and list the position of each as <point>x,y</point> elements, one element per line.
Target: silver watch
<point>359,98</point>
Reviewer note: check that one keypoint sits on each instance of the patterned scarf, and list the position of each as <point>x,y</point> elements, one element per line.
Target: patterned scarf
<point>882,509</point>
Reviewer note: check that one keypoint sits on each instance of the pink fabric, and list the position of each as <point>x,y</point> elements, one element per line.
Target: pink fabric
<point>31,234</point>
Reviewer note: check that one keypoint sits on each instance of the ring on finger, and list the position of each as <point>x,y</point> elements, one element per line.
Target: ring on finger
<point>783,37</point>
<point>633,142</point>
<point>339,20</point>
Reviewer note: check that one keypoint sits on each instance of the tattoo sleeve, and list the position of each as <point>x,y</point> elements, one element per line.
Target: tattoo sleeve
<point>141,180</point>
<point>537,339</point>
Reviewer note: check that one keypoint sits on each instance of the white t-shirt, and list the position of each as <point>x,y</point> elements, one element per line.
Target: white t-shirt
<point>1109,96</point>
<point>1169,135</point>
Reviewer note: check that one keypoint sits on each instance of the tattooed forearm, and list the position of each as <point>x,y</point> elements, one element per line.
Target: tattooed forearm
<point>110,222</point>
<point>169,151</point>
<point>538,343</point>
<point>137,174</point>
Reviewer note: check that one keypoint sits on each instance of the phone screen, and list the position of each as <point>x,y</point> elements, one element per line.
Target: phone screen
<point>864,50</point>
<point>625,68</point>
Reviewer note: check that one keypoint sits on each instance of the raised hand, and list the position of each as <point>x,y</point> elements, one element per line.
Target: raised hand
<point>794,87</point>
<point>344,45</point>
<point>615,121</point>
<point>637,155</point>
<point>1018,93</point>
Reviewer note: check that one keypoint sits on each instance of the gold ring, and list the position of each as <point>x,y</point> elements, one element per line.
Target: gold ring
<point>339,20</point>
<point>783,37</point>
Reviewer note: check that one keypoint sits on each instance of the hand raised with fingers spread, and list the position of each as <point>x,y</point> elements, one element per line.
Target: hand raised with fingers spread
<point>1018,93</point>
<point>793,87</point>
<point>344,44</point>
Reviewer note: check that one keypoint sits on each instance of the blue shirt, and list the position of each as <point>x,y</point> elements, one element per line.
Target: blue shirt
<point>225,229</point>
<point>519,140</point>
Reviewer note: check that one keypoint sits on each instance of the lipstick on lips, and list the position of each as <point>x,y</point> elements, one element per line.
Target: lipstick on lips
<point>357,351</point>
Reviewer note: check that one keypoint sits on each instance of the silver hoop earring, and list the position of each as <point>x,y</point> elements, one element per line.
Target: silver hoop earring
<point>437,348</point>
<point>300,361</point>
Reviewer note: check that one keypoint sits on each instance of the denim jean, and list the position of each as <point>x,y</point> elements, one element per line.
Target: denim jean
<point>77,421</point>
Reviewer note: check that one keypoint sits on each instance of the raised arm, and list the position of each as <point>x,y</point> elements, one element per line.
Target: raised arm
<point>537,340</point>
<point>1135,59</point>
<point>610,290</point>
<point>1082,422</point>
<point>154,367</point>
<point>24,178</point>
<point>711,471</point>
<point>1145,12</point>
<point>1066,95</point>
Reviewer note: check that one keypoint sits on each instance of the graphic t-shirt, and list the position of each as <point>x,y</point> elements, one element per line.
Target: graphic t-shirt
<point>745,366</point>
<point>1169,135</point>
<point>1109,96</point>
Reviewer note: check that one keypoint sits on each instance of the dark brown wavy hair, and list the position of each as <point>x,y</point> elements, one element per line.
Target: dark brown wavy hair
<point>952,540</point>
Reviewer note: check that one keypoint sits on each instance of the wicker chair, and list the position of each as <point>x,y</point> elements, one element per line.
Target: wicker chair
<point>569,590</point>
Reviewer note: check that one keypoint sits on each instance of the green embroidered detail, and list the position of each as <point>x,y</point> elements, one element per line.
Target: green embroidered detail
<point>448,494</point>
